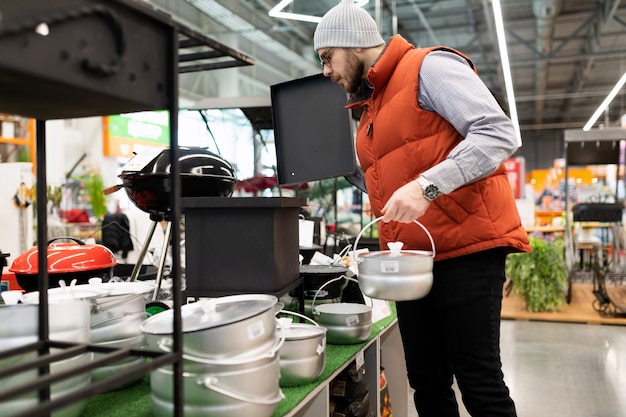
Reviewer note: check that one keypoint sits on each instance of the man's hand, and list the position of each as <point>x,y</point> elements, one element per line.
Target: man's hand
<point>406,204</point>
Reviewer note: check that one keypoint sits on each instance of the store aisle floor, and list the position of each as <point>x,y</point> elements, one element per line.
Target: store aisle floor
<point>563,369</point>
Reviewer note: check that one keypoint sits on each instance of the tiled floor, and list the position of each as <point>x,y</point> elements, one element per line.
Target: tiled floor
<point>564,369</point>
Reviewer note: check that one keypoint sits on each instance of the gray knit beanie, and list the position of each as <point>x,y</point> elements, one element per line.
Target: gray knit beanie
<point>346,26</point>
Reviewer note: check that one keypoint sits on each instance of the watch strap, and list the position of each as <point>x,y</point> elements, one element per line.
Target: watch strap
<point>429,189</point>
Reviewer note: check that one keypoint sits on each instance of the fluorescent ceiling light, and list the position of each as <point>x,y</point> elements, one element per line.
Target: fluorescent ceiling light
<point>506,68</point>
<point>606,102</point>
<point>277,11</point>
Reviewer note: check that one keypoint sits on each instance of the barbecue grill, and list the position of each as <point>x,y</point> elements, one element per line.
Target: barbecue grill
<point>148,185</point>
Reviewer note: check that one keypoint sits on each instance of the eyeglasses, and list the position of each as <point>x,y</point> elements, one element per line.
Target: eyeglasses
<point>326,58</point>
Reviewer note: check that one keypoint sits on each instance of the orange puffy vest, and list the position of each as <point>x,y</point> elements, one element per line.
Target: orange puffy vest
<point>403,141</point>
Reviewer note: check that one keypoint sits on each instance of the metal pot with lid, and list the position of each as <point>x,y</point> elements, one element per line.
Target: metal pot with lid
<point>228,388</point>
<point>220,327</point>
<point>66,261</point>
<point>396,274</point>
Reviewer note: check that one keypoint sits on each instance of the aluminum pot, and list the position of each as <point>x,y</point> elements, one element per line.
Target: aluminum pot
<point>116,309</point>
<point>117,368</point>
<point>119,315</point>
<point>58,389</point>
<point>395,274</point>
<point>106,308</point>
<point>220,327</point>
<point>119,312</point>
<point>69,322</point>
<point>103,372</point>
<point>66,293</point>
<point>116,322</point>
<point>120,290</point>
<point>118,328</point>
<point>346,323</point>
<point>228,387</point>
<point>303,355</point>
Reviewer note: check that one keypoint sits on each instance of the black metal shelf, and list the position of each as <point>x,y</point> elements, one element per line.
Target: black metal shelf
<point>99,57</point>
<point>65,350</point>
<point>593,147</point>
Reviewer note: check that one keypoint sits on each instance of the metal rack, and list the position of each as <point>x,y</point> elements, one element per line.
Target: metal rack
<point>595,147</point>
<point>78,58</point>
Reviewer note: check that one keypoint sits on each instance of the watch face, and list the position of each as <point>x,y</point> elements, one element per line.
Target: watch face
<point>431,192</point>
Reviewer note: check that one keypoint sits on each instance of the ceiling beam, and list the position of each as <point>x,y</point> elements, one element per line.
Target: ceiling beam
<point>602,16</point>
<point>545,12</point>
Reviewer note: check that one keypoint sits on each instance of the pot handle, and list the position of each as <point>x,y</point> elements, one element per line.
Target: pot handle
<point>127,314</point>
<point>302,316</point>
<point>356,242</point>
<point>313,310</point>
<point>211,383</point>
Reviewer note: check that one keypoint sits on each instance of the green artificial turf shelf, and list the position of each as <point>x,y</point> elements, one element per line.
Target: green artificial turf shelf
<point>134,400</point>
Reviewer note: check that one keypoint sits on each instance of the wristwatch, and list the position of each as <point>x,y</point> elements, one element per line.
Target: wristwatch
<point>430,190</point>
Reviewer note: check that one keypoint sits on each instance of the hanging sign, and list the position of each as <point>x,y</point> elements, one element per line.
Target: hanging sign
<point>516,172</point>
<point>132,133</point>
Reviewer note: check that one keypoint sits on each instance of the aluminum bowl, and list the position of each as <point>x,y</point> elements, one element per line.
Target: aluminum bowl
<point>303,354</point>
<point>346,323</point>
<point>249,388</point>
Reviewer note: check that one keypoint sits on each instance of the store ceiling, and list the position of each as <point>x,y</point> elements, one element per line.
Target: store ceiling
<point>566,55</point>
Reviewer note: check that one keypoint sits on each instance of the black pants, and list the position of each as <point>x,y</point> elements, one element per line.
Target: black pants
<point>455,332</point>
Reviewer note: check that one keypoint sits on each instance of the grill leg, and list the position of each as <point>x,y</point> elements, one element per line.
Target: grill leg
<point>159,276</point>
<point>142,254</point>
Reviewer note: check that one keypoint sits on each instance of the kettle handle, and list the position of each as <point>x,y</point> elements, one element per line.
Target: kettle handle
<point>75,240</point>
<point>356,242</point>
<point>313,310</point>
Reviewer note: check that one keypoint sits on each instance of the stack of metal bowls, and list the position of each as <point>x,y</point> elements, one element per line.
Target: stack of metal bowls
<point>116,312</point>
<point>231,365</point>
<point>303,354</point>
<point>116,322</point>
<point>68,322</point>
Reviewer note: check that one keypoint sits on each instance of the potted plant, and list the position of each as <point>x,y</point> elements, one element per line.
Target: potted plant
<point>540,277</point>
<point>93,184</point>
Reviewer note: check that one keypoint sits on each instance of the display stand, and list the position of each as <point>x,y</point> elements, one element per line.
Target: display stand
<point>383,350</point>
<point>598,147</point>
<point>241,245</point>
<point>384,347</point>
<point>128,59</point>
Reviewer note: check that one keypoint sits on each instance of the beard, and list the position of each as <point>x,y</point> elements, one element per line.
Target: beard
<point>354,76</point>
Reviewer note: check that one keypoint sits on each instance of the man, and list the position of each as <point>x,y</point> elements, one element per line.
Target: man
<point>431,142</point>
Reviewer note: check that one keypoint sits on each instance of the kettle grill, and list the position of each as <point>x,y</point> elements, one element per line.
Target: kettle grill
<point>148,186</point>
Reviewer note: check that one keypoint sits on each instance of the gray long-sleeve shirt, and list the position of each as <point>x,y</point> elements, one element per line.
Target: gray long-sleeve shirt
<point>449,87</point>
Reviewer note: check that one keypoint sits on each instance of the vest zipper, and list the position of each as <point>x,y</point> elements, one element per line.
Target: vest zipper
<point>369,128</point>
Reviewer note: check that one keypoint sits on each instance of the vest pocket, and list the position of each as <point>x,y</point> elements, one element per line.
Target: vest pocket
<point>449,207</point>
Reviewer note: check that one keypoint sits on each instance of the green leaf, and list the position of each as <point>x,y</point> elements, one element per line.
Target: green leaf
<point>539,277</point>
